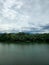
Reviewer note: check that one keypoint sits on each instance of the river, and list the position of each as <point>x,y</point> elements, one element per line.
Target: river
<point>27,54</point>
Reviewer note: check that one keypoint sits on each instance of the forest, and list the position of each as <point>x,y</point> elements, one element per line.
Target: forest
<point>24,37</point>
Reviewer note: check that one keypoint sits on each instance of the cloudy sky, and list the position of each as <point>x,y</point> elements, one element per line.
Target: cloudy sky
<point>24,16</point>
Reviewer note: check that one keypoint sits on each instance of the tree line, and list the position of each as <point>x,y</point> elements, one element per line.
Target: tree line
<point>24,37</point>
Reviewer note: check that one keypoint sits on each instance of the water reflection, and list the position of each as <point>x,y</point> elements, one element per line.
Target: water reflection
<point>16,54</point>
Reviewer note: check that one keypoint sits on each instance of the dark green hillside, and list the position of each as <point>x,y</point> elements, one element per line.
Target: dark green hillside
<point>24,37</point>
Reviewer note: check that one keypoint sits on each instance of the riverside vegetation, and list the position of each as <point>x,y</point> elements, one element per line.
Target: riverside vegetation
<point>24,37</point>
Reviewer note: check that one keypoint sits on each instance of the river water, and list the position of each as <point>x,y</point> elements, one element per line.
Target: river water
<point>27,54</point>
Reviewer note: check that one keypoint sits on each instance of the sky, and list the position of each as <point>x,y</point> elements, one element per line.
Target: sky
<point>30,16</point>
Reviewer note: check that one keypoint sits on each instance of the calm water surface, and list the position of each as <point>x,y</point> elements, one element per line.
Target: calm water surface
<point>17,54</point>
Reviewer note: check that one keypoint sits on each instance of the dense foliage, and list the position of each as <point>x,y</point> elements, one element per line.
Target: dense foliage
<point>24,37</point>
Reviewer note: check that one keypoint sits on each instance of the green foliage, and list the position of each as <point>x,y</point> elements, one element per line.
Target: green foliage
<point>23,37</point>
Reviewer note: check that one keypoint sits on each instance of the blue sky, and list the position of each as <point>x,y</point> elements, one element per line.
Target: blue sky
<point>24,16</point>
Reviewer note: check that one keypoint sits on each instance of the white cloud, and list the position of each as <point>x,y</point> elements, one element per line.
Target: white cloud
<point>10,14</point>
<point>19,4</point>
<point>17,15</point>
<point>7,11</point>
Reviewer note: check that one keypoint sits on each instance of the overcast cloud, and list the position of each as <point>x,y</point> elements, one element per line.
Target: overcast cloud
<point>24,16</point>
